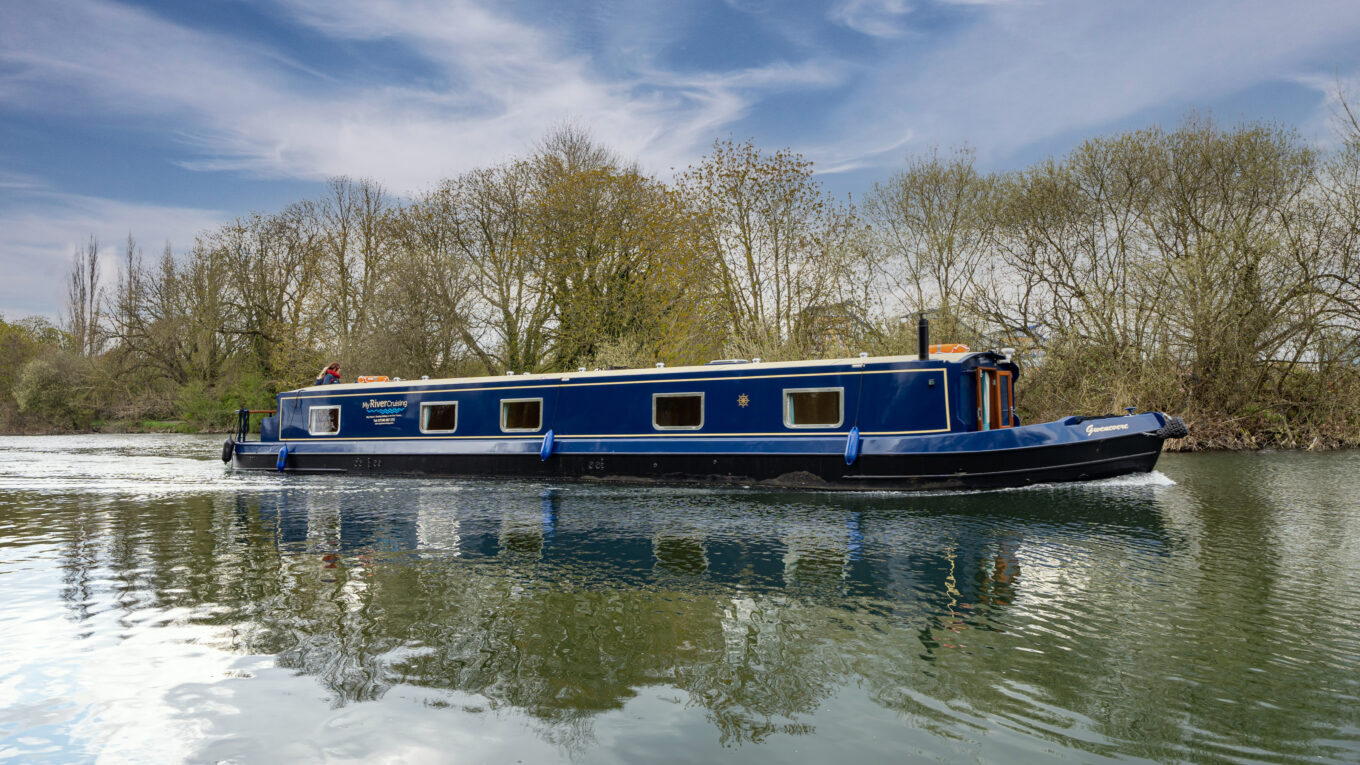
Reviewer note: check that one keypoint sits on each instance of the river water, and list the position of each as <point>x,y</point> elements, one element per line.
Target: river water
<point>155,607</point>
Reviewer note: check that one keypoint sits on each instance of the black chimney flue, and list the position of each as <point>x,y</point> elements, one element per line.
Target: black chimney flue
<point>923,338</point>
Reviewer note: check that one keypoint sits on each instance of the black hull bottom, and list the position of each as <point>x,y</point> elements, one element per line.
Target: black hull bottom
<point>1084,461</point>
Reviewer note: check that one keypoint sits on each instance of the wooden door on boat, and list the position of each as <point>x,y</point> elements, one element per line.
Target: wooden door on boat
<point>996,400</point>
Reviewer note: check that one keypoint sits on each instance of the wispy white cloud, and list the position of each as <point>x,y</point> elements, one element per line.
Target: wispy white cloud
<point>1000,76</point>
<point>1021,74</point>
<point>877,18</point>
<point>41,230</point>
<point>1015,73</point>
<point>236,105</point>
<point>1329,123</point>
<point>11,180</point>
<point>243,108</point>
<point>836,158</point>
<point>891,18</point>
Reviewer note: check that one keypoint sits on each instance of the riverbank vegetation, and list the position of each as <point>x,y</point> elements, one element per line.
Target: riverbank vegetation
<point>1208,271</point>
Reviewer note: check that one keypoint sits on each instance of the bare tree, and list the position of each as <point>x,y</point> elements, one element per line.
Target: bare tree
<point>423,321</point>
<point>782,248</point>
<point>487,215</point>
<point>267,267</point>
<point>931,228</point>
<point>83,299</point>
<point>353,221</point>
<point>1333,261</point>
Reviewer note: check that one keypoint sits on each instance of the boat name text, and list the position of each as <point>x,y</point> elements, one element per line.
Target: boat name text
<point>1092,429</point>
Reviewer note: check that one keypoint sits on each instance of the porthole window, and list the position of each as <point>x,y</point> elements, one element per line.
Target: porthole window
<point>814,407</point>
<point>323,420</point>
<point>521,415</point>
<point>438,416</point>
<point>677,411</point>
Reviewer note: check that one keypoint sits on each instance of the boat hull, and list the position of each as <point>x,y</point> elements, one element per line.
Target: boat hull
<point>1052,452</point>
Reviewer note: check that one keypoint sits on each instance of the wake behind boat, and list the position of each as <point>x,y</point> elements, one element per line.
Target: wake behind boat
<point>930,421</point>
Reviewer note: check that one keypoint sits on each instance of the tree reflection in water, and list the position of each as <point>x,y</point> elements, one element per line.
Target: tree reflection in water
<point>951,611</point>
<point>564,603</point>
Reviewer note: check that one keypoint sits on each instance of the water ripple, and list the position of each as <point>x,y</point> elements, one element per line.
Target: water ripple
<point>159,607</point>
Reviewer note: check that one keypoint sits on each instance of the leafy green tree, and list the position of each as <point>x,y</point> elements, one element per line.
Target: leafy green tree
<point>620,255</point>
<point>56,388</point>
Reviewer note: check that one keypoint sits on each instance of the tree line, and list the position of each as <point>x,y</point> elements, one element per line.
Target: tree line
<point>1204,270</point>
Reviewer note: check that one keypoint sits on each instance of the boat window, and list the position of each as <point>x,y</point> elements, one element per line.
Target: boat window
<point>323,420</point>
<point>985,400</point>
<point>677,411</point>
<point>814,407</point>
<point>438,416</point>
<point>521,414</point>
<point>996,399</point>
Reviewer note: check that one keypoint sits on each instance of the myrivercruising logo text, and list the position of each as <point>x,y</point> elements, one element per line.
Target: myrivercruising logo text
<point>387,406</point>
<point>1092,429</point>
<point>383,411</point>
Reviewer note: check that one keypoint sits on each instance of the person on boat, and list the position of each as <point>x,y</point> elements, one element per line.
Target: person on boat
<point>329,375</point>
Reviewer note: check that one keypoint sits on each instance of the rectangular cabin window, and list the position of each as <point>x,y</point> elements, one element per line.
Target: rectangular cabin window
<point>677,411</point>
<point>814,407</point>
<point>323,420</point>
<point>523,415</point>
<point>438,416</point>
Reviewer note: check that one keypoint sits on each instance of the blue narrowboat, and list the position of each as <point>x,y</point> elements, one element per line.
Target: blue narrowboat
<point>930,421</point>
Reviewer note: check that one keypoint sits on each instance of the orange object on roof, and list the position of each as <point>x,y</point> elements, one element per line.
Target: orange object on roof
<point>949,348</point>
<point>372,378</point>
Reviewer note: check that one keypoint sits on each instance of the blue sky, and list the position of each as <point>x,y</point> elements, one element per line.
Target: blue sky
<point>163,118</point>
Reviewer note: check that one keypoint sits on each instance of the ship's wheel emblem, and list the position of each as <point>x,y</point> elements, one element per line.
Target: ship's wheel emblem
<point>743,400</point>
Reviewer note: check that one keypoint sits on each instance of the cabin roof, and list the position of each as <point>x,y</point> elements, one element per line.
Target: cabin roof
<point>645,371</point>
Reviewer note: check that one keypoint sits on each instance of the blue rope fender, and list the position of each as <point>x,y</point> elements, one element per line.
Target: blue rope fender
<point>547,449</point>
<point>283,458</point>
<point>852,446</point>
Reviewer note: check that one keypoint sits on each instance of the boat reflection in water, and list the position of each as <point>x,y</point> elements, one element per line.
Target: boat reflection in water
<point>760,608</point>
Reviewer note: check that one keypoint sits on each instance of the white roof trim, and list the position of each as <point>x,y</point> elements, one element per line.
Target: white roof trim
<point>644,372</point>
